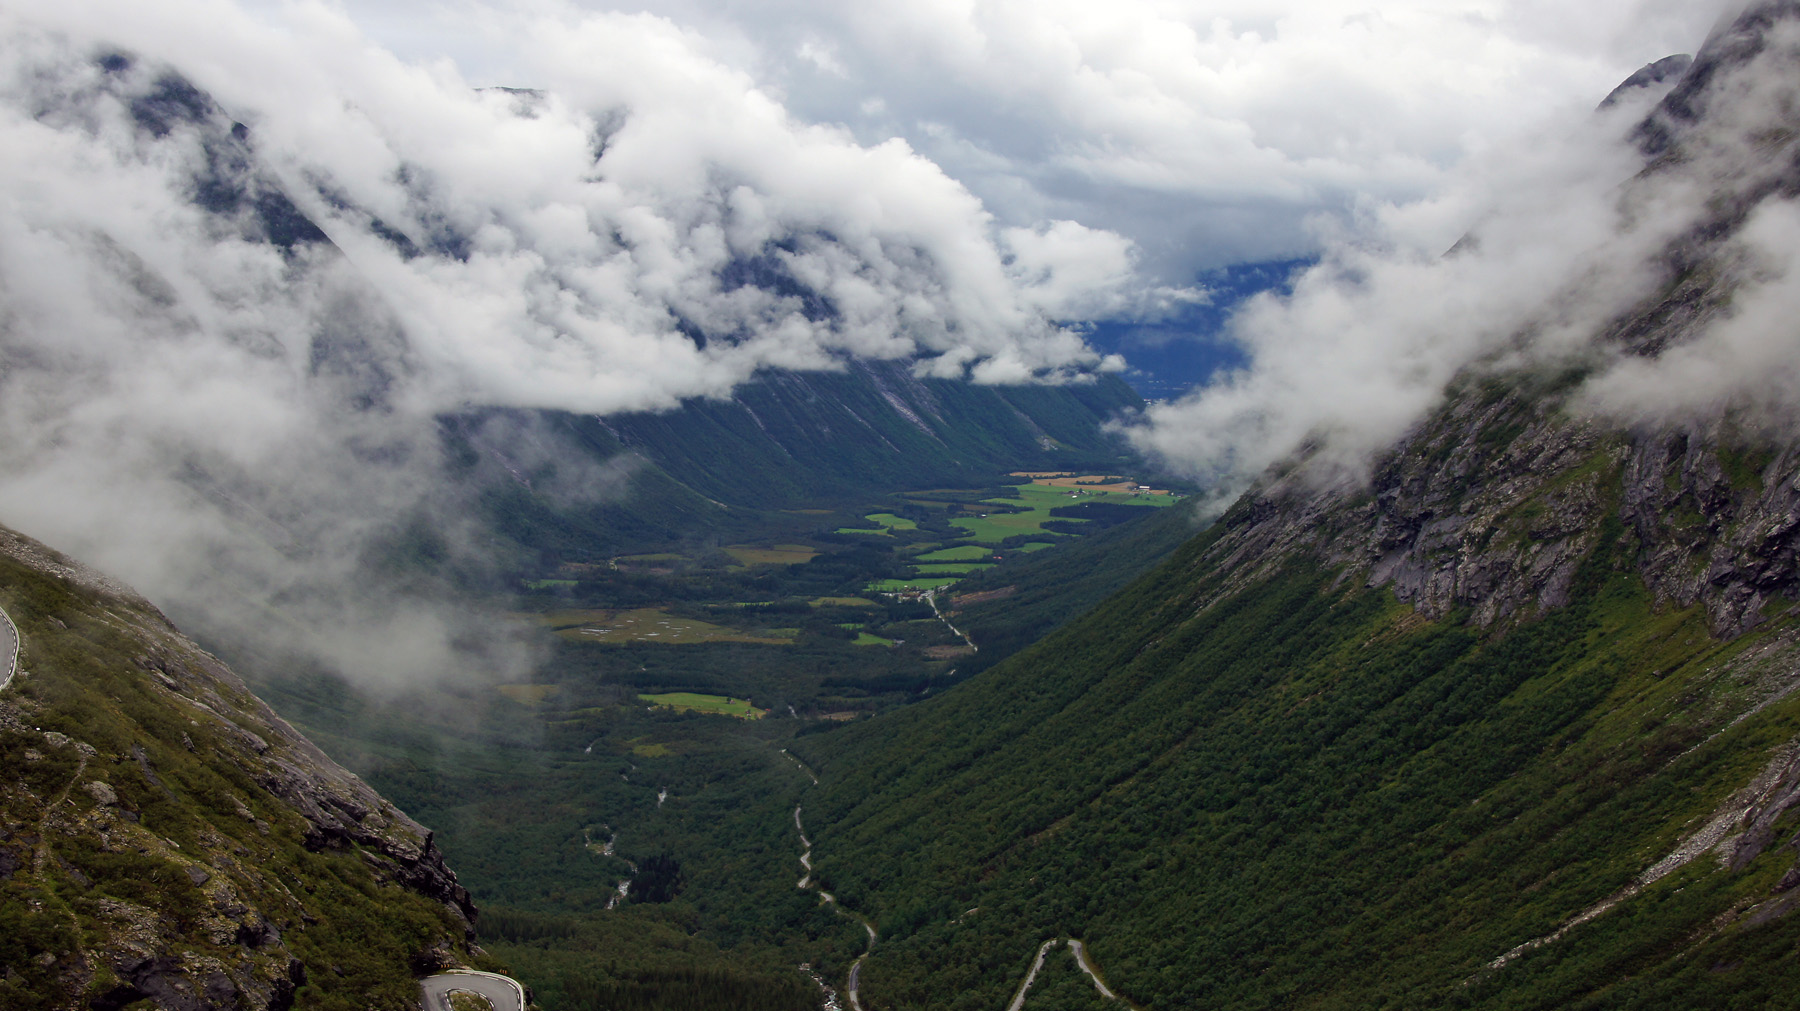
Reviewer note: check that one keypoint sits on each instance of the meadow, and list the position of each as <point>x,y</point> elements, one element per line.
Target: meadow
<point>722,705</point>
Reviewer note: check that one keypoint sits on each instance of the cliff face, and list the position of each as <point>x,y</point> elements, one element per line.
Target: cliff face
<point>165,836</point>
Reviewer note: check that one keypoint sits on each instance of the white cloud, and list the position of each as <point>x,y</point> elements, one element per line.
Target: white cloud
<point>242,431</point>
<point>1568,234</point>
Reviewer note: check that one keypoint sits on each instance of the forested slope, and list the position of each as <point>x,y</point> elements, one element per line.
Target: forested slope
<point>1508,724</point>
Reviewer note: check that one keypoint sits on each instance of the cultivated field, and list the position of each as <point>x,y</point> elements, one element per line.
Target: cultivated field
<point>652,625</point>
<point>960,553</point>
<point>1090,482</point>
<point>721,704</point>
<point>780,554</point>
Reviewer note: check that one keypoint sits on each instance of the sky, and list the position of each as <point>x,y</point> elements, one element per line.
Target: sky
<point>693,193</point>
<point>1207,132</point>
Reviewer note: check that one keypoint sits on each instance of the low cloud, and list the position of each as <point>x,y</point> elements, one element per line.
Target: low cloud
<point>240,416</point>
<point>1553,242</point>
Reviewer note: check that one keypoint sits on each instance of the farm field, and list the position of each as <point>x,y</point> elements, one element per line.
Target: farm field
<point>960,553</point>
<point>921,583</point>
<point>722,705</point>
<point>1090,482</point>
<point>1037,500</point>
<point>651,625</point>
<point>953,568</point>
<point>780,554</point>
<point>842,602</point>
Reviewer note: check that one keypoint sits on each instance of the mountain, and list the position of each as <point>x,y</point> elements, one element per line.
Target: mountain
<point>1509,724</point>
<point>726,468</point>
<point>165,837</point>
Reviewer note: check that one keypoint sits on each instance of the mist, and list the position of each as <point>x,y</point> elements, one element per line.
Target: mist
<point>1528,262</point>
<point>203,394</point>
<point>249,263</point>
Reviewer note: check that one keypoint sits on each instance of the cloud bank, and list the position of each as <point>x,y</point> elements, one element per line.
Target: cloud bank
<point>1204,130</point>
<point>249,257</point>
<point>237,412</point>
<point>1553,242</point>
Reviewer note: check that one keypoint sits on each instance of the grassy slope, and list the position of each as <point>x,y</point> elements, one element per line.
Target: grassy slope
<point>818,436</point>
<point>1306,797</point>
<point>171,764</point>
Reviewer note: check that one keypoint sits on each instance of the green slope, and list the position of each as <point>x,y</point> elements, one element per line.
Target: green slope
<point>165,839</point>
<point>1307,797</point>
<point>1007,608</point>
<point>793,437</point>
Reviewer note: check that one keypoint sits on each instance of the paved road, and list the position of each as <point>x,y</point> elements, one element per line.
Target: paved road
<point>504,993</point>
<point>9,650</point>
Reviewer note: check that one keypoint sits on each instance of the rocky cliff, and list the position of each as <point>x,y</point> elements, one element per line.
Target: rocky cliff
<point>164,836</point>
<point>1492,502</point>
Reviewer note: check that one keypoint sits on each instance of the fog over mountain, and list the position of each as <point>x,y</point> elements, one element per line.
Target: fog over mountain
<point>249,255</point>
<point>1552,242</point>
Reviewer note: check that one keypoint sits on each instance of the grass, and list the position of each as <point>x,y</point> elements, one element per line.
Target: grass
<point>780,554</point>
<point>891,522</point>
<point>923,583</point>
<point>865,533</point>
<point>652,625</point>
<point>721,705</point>
<point>1033,546</point>
<point>548,584</point>
<point>656,559</point>
<point>841,602</point>
<point>1037,500</point>
<point>529,695</point>
<point>953,569</point>
<point>960,553</point>
<point>466,1000</point>
<point>867,639</point>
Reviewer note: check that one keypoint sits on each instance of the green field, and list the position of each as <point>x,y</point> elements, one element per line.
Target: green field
<point>780,554</point>
<point>652,625</point>
<point>842,602</point>
<point>892,522</point>
<point>866,639</point>
<point>1037,500</point>
<point>953,569</point>
<point>960,553</point>
<point>721,704</point>
<point>866,533</point>
<point>1033,546</point>
<point>922,583</point>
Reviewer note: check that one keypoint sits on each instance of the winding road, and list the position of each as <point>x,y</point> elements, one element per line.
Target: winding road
<point>852,990</point>
<point>503,992</point>
<point>9,649</point>
<point>853,986</point>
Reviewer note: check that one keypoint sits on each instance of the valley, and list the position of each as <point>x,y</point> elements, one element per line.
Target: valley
<point>634,546</point>
<point>620,819</point>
